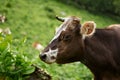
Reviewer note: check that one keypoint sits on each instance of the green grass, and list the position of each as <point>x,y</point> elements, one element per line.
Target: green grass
<point>35,20</point>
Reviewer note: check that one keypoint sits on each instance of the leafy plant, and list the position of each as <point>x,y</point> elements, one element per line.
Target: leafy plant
<point>13,62</point>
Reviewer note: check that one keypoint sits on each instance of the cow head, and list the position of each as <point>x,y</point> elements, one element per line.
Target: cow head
<point>68,43</point>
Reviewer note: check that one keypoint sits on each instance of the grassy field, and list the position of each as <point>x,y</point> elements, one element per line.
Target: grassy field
<point>35,20</point>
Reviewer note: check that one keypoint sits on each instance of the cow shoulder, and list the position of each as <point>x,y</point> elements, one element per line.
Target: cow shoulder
<point>114,26</point>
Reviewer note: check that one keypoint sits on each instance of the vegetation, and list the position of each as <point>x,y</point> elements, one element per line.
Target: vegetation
<point>34,21</point>
<point>109,7</point>
<point>13,62</point>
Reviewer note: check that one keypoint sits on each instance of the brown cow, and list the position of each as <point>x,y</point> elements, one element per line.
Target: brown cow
<point>98,49</point>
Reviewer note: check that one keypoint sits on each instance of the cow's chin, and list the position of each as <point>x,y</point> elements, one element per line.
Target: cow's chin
<point>60,61</point>
<point>57,61</point>
<point>49,62</point>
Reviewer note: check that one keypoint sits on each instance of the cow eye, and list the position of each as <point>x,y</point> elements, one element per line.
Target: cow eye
<point>67,37</point>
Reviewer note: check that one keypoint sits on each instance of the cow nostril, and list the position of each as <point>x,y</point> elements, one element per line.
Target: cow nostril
<point>43,56</point>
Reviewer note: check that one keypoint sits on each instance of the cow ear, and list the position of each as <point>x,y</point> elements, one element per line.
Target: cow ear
<point>88,28</point>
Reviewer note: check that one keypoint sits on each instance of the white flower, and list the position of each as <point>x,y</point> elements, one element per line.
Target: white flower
<point>1,30</point>
<point>2,18</point>
<point>7,31</point>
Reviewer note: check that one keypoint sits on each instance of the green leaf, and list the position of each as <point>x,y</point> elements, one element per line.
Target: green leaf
<point>8,38</point>
<point>29,70</point>
<point>4,45</point>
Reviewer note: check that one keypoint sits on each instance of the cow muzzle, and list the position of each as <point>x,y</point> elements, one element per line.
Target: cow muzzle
<point>49,56</point>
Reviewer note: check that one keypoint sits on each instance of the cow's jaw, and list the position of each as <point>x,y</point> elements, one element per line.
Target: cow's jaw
<point>51,56</point>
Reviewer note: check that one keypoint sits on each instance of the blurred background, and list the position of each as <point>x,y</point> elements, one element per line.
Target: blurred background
<point>35,21</point>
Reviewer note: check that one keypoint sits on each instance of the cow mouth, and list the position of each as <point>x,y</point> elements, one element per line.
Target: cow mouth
<point>49,60</point>
<point>49,56</point>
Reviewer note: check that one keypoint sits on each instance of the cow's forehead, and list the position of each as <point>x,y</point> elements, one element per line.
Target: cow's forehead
<point>62,27</point>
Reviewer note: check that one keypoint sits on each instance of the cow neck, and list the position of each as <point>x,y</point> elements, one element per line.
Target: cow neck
<point>95,51</point>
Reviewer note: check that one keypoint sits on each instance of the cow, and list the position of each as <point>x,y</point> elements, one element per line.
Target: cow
<point>98,49</point>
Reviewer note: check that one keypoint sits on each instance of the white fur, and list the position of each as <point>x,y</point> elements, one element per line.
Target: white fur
<point>60,29</point>
<point>53,53</point>
<point>50,54</point>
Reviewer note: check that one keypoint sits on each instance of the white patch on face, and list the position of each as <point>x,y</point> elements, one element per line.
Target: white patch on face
<point>60,29</point>
<point>51,55</point>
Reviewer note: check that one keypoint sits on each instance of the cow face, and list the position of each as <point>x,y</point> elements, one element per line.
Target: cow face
<point>67,45</point>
